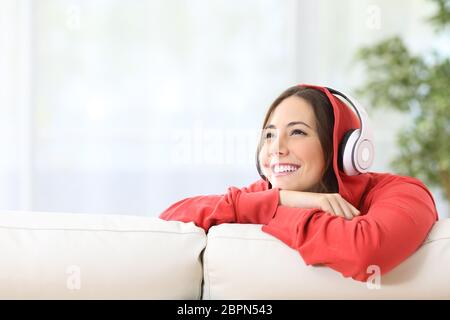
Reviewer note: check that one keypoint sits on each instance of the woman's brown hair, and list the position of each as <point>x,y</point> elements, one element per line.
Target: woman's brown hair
<point>323,112</point>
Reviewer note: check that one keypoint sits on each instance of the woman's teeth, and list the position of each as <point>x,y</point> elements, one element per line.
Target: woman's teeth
<point>285,169</point>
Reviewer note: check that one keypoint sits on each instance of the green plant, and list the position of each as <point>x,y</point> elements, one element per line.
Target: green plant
<point>420,86</point>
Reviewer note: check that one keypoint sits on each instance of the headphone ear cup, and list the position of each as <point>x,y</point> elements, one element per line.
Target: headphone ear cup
<point>342,147</point>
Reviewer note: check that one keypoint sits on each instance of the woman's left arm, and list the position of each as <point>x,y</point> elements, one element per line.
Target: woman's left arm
<point>396,223</point>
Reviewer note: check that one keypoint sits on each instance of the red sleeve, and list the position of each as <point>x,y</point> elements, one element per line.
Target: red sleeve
<point>397,222</point>
<point>236,206</point>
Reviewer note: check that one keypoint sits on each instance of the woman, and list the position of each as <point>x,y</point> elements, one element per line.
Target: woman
<point>304,198</point>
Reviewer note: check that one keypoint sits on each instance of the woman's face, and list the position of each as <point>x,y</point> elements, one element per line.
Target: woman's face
<point>291,156</point>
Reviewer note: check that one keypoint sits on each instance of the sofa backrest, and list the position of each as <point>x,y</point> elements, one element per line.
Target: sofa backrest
<point>242,262</point>
<point>92,256</point>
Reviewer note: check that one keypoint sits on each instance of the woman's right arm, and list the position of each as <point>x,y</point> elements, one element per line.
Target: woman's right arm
<point>236,206</point>
<point>332,203</point>
<point>247,205</point>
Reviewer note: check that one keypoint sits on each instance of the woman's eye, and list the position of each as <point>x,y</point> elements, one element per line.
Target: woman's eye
<point>297,131</point>
<point>268,135</point>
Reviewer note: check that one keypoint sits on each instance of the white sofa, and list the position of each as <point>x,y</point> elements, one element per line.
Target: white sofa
<point>90,256</point>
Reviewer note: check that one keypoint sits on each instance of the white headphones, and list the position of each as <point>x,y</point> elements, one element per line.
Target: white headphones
<point>356,149</point>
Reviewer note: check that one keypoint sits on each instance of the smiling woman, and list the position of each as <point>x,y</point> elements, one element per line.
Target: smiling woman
<point>310,138</point>
<point>300,158</point>
<point>309,199</point>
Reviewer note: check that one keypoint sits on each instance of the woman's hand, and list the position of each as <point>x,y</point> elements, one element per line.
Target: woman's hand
<point>332,203</point>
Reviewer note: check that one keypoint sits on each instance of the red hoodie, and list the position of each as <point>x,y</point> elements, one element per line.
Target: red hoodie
<point>397,212</point>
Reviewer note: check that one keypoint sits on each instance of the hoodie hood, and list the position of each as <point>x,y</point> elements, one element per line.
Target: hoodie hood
<point>352,188</point>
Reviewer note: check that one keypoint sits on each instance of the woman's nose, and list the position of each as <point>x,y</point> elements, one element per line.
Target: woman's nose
<point>278,146</point>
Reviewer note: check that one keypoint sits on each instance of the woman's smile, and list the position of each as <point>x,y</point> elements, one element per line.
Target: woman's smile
<point>284,169</point>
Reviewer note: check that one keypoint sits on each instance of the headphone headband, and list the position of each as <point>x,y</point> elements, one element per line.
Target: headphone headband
<point>360,111</point>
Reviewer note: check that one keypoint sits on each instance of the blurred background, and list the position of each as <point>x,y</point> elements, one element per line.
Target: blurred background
<point>126,107</point>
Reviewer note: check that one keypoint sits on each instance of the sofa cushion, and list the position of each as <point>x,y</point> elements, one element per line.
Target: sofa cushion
<point>243,262</point>
<point>92,256</point>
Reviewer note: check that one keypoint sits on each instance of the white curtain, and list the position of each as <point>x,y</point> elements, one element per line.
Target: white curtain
<point>136,104</point>
<point>15,105</point>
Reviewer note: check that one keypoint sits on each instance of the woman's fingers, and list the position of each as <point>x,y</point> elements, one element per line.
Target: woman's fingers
<point>328,208</point>
<point>327,205</point>
<point>337,210</point>
<point>347,211</point>
<point>338,206</point>
<point>356,212</point>
<point>350,210</point>
<point>342,206</point>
